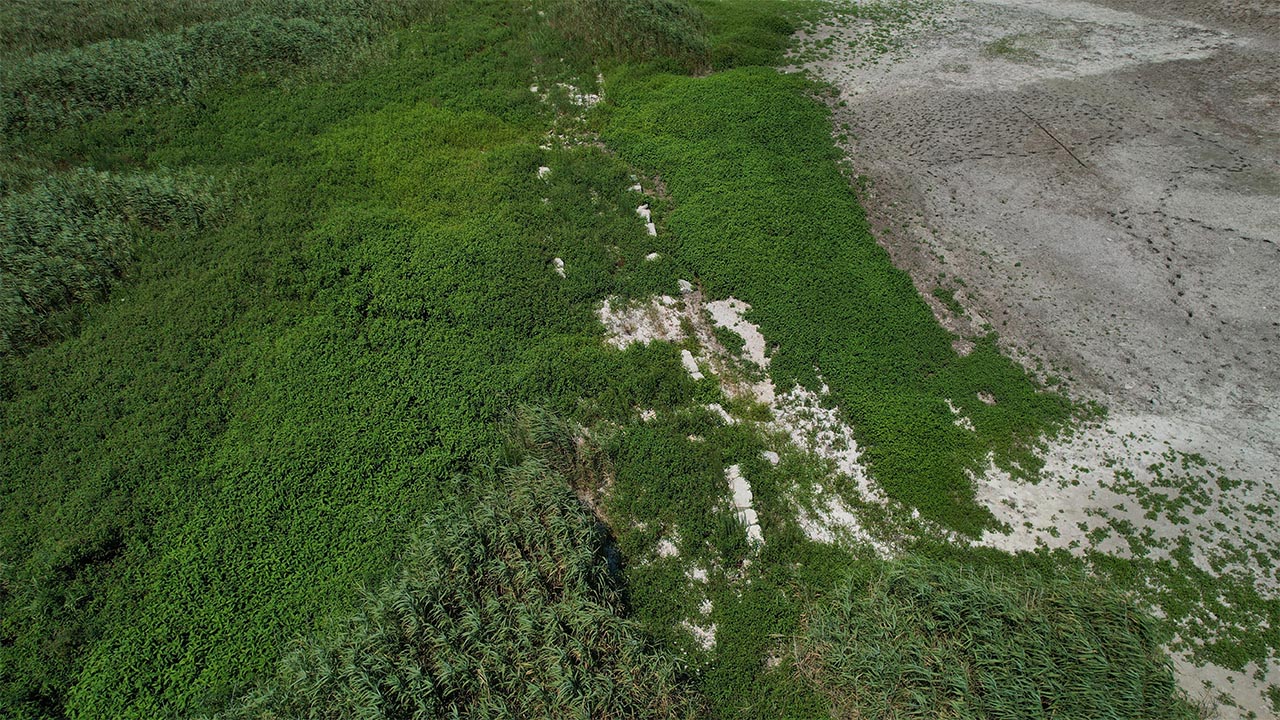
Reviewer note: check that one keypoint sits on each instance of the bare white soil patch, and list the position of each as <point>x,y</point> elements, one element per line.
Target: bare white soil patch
<point>629,323</point>
<point>704,636</point>
<point>1135,485</point>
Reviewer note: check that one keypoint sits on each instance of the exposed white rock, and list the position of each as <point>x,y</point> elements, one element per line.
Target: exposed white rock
<point>651,229</point>
<point>961,419</point>
<point>799,413</point>
<point>724,415</point>
<point>743,504</point>
<point>691,364</point>
<point>667,548</point>
<point>558,265</point>
<point>643,212</point>
<point>706,637</point>
<point>543,172</point>
<point>653,256</point>
<point>728,314</point>
<point>628,323</point>
<point>834,522</point>
<point>578,97</point>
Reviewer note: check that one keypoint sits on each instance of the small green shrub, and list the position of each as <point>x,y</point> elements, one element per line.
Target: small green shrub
<point>508,605</point>
<point>947,296</point>
<point>69,238</point>
<point>923,639</point>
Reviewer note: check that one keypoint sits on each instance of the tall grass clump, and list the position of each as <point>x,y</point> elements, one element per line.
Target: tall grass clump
<point>508,605</point>
<point>69,238</point>
<point>923,639</point>
<point>59,88</point>
<point>28,26</point>
<point>634,30</point>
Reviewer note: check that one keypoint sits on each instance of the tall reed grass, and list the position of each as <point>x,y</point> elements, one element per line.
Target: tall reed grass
<point>70,237</point>
<point>923,639</point>
<point>62,87</point>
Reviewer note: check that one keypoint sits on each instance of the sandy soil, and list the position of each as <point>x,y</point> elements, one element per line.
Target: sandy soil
<point>1104,179</point>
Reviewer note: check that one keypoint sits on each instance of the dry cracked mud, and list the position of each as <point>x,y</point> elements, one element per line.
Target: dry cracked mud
<point>1099,182</point>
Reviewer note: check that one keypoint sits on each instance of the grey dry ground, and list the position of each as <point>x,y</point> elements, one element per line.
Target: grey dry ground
<point>1100,181</point>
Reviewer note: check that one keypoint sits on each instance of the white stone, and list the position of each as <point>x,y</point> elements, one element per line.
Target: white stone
<point>742,503</point>
<point>691,364</point>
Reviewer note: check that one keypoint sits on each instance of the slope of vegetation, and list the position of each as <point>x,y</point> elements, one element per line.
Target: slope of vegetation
<point>764,214</point>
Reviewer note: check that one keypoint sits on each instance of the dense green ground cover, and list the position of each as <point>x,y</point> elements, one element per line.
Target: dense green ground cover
<point>211,462</point>
<point>249,428</point>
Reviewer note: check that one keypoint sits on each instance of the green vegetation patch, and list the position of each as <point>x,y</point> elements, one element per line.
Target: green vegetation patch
<point>1010,47</point>
<point>762,212</point>
<point>669,31</point>
<point>919,639</point>
<point>509,604</point>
